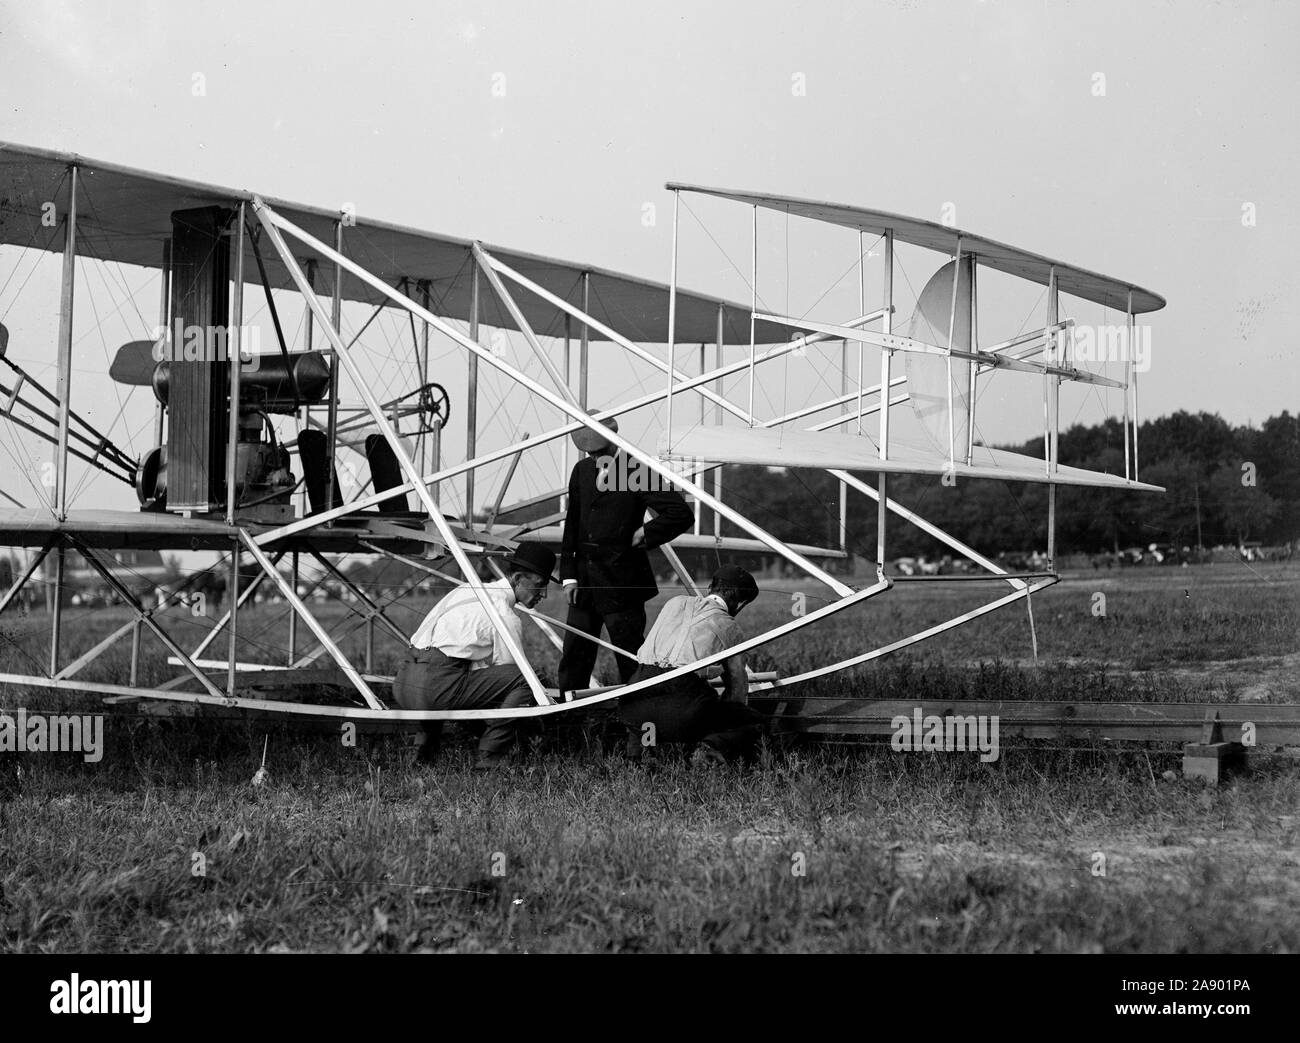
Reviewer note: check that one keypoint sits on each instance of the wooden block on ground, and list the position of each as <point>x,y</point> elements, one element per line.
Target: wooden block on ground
<point>1212,761</point>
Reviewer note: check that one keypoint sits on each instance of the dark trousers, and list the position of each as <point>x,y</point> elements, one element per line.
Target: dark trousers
<point>626,629</point>
<point>688,710</point>
<point>429,680</point>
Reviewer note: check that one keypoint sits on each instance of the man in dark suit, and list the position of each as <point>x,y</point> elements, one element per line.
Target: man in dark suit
<point>603,561</point>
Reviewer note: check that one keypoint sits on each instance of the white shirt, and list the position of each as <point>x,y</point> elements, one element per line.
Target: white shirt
<point>688,629</point>
<point>458,626</point>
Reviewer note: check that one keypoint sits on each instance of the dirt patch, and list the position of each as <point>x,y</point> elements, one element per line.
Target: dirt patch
<point>1254,679</point>
<point>1134,860</point>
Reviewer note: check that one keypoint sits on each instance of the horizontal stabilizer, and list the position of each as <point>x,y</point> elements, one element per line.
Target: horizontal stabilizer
<point>702,541</point>
<point>823,450</point>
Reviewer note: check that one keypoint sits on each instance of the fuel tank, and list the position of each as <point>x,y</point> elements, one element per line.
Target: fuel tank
<point>271,382</point>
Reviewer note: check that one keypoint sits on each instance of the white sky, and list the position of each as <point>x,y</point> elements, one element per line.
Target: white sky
<point>908,106</point>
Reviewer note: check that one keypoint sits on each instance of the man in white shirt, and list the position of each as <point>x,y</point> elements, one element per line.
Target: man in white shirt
<point>687,710</point>
<point>459,661</point>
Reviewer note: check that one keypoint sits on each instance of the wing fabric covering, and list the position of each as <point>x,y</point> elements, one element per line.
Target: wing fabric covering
<point>124,215</point>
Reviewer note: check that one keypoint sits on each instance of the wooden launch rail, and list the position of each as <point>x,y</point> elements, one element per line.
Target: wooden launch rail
<point>1274,724</point>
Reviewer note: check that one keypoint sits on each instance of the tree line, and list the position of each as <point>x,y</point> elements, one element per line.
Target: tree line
<point>1224,485</point>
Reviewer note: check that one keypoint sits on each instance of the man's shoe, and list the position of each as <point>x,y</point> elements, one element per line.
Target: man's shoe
<point>430,743</point>
<point>491,761</point>
<point>706,756</point>
<point>635,752</point>
<point>646,756</point>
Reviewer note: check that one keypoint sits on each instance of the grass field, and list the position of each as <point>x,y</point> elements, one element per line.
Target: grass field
<point>165,845</point>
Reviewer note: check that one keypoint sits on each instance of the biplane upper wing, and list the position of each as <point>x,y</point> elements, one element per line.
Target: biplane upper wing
<point>1078,282</point>
<point>124,215</point>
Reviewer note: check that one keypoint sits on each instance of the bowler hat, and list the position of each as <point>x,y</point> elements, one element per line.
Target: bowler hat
<point>589,441</point>
<point>535,558</point>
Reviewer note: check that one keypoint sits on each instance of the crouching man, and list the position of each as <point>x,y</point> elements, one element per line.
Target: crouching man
<point>459,662</point>
<point>687,709</point>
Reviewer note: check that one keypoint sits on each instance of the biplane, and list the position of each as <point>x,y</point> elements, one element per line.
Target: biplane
<point>330,443</point>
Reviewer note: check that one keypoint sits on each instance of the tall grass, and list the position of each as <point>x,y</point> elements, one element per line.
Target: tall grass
<point>166,846</point>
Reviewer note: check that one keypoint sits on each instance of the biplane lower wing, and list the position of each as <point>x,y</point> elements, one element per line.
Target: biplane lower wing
<point>113,530</point>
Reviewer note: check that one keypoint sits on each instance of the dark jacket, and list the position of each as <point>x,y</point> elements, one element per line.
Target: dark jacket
<point>597,547</point>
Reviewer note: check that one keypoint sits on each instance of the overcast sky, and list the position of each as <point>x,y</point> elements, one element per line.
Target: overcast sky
<point>1122,137</point>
